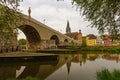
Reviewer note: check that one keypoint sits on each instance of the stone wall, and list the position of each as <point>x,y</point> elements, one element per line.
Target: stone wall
<point>8,44</point>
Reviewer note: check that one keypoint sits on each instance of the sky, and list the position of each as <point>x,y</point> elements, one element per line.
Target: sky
<point>55,14</point>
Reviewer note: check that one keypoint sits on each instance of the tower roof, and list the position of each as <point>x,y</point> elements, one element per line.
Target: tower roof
<point>68,29</point>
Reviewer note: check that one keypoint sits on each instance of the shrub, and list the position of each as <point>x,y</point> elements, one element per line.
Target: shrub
<point>107,75</point>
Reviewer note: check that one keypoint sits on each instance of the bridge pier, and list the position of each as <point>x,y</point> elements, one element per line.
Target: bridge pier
<point>44,44</point>
<point>33,46</point>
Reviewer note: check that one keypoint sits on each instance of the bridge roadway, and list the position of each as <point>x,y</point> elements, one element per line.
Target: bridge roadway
<point>41,36</point>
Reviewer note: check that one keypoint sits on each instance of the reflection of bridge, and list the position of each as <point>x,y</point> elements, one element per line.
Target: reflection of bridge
<point>40,69</point>
<point>40,36</point>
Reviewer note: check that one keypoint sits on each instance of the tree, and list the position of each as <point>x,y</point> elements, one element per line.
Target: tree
<point>103,14</point>
<point>9,18</point>
<point>9,14</point>
<point>84,43</point>
<point>22,42</point>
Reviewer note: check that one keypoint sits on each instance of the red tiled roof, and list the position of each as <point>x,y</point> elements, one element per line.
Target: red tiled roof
<point>73,35</point>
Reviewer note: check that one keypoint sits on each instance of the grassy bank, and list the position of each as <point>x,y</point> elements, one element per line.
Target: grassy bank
<point>98,48</point>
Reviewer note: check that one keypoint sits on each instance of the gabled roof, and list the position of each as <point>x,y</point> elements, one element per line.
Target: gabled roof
<point>91,36</point>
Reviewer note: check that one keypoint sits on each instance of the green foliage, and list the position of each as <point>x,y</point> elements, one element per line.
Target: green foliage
<point>30,78</point>
<point>104,75</point>
<point>9,17</point>
<point>84,43</point>
<point>107,75</point>
<point>72,44</point>
<point>22,42</point>
<point>102,48</point>
<point>103,14</point>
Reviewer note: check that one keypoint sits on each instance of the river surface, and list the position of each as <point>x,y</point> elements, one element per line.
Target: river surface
<point>65,66</point>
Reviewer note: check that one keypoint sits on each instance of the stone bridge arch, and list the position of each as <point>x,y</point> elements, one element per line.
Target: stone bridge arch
<point>55,38</point>
<point>39,34</point>
<point>32,35</point>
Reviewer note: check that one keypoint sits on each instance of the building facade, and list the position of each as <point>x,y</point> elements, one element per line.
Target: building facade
<point>75,35</point>
<point>91,40</point>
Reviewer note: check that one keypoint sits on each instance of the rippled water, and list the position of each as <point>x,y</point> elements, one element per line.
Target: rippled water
<point>79,66</point>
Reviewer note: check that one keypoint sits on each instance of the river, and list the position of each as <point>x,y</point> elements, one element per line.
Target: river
<point>65,66</point>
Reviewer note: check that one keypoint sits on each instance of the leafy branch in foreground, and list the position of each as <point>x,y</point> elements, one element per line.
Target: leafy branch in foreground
<point>9,14</point>
<point>103,14</point>
<point>9,18</point>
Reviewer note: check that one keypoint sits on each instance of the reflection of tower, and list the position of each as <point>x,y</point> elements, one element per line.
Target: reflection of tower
<point>68,64</point>
<point>80,63</point>
<point>68,30</point>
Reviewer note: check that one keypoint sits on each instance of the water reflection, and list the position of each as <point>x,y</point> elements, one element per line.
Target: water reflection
<point>84,66</point>
<point>80,66</point>
<point>68,64</point>
<point>23,69</point>
<point>81,58</point>
<point>40,69</point>
<point>112,57</point>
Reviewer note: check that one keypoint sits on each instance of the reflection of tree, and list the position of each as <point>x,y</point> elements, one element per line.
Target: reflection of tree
<point>107,75</point>
<point>84,56</point>
<point>81,58</point>
<point>111,57</point>
<point>92,56</point>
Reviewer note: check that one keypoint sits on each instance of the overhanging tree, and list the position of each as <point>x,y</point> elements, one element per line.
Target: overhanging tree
<point>9,17</point>
<point>103,14</point>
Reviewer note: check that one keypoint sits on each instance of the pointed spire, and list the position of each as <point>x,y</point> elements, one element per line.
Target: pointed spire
<point>79,30</point>
<point>68,30</point>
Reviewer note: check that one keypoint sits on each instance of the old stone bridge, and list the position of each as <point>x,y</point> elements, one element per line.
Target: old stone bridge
<point>40,36</point>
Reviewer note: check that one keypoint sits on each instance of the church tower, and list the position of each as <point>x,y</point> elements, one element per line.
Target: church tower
<point>68,30</point>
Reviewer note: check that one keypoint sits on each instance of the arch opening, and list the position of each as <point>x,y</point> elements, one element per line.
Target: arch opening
<point>32,36</point>
<point>20,34</point>
<point>54,37</point>
<point>65,40</point>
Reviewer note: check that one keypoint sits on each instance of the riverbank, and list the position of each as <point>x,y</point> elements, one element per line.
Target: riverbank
<point>100,48</point>
<point>24,54</point>
<point>26,57</point>
<point>78,49</point>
